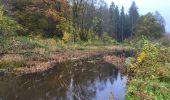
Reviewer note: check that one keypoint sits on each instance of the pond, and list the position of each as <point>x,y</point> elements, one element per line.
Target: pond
<point>88,79</point>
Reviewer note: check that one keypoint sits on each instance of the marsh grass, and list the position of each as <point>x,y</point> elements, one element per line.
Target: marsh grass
<point>32,52</point>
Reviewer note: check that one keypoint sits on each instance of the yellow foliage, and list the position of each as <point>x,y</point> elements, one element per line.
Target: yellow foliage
<point>75,46</point>
<point>51,42</point>
<point>66,37</point>
<point>141,57</point>
<point>48,42</point>
<point>133,67</point>
<point>60,42</point>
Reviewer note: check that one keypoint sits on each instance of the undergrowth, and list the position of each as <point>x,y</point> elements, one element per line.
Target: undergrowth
<point>149,72</point>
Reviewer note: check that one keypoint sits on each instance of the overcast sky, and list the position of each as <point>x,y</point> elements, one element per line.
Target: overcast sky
<point>145,6</point>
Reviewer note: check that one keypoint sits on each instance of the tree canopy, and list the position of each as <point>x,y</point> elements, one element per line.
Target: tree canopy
<point>80,19</point>
<point>148,25</point>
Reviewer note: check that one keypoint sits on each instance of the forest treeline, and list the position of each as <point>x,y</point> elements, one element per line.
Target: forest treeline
<point>81,20</point>
<point>37,34</point>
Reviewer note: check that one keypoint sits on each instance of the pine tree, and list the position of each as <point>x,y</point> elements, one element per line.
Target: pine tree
<point>133,15</point>
<point>116,12</point>
<point>122,22</point>
<point>112,19</point>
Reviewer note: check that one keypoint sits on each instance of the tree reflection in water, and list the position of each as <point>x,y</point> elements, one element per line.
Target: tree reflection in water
<point>82,80</point>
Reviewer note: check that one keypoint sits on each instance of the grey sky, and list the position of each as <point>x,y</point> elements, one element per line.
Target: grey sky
<point>145,6</point>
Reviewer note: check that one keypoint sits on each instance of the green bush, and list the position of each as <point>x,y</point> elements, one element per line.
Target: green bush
<point>151,76</point>
<point>7,25</point>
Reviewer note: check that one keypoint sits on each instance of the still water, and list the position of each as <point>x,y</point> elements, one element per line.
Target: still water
<point>90,79</point>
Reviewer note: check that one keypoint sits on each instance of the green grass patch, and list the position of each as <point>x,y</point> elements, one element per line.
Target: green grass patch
<point>11,65</point>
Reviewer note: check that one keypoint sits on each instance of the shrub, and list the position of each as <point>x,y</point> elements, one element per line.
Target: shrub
<point>66,37</point>
<point>107,39</point>
<point>8,26</point>
<point>151,76</point>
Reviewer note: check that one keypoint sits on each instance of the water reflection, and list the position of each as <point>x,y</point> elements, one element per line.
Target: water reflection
<point>83,80</point>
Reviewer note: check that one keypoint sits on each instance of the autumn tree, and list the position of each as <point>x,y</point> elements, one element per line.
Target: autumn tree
<point>79,19</point>
<point>45,17</point>
<point>148,26</point>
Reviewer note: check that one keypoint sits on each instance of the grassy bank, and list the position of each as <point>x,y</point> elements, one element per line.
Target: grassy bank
<point>30,55</point>
<point>149,72</point>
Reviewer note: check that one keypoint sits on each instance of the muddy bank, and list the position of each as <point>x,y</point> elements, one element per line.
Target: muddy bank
<point>117,61</point>
<point>41,63</point>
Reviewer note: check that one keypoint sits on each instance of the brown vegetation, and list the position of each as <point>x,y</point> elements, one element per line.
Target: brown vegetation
<point>117,61</point>
<point>40,63</point>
